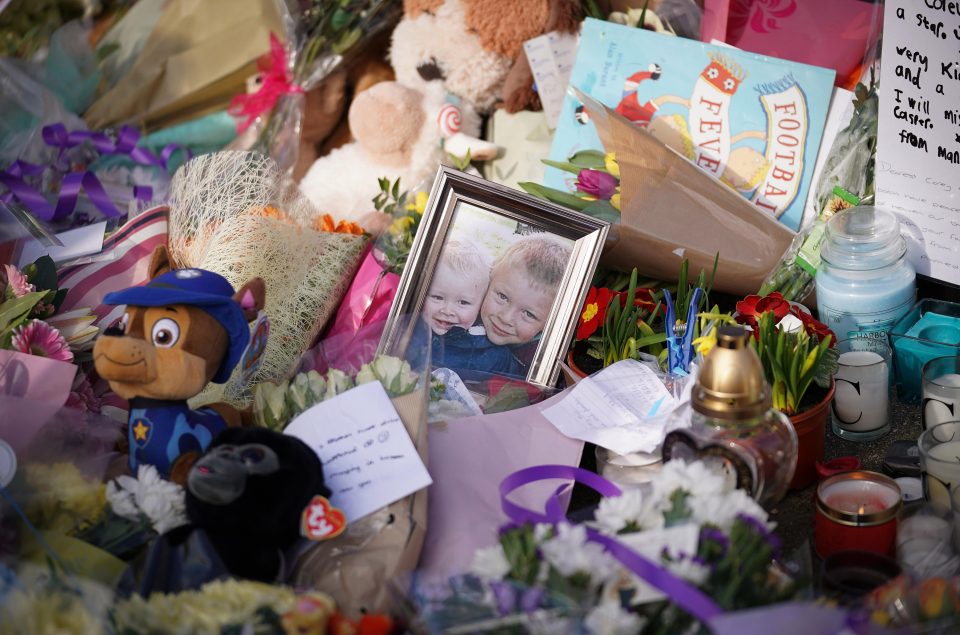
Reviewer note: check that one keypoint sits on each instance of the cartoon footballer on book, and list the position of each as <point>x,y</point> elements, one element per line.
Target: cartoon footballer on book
<point>697,99</point>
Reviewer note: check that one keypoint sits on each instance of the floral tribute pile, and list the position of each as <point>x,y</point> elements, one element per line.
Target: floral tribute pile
<point>688,521</point>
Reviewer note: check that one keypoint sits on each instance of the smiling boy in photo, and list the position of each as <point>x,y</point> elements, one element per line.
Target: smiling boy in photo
<point>524,282</point>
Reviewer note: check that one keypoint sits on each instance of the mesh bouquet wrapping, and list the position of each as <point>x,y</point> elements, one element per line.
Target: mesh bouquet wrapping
<point>236,214</point>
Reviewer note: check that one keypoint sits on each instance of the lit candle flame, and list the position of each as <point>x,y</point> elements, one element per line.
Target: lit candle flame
<point>862,510</point>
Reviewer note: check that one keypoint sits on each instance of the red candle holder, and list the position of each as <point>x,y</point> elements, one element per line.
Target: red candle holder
<point>857,510</point>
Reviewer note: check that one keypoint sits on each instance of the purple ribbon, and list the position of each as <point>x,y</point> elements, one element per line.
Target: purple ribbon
<point>36,202</point>
<point>686,596</point>
<point>15,178</point>
<point>56,135</point>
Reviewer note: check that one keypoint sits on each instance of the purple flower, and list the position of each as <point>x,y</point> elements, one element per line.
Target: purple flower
<point>505,596</point>
<point>597,183</point>
<point>531,599</point>
<point>759,528</point>
<point>709,534</point>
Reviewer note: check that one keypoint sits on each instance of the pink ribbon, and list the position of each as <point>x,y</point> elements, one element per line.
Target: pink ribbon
<point>277,81</point>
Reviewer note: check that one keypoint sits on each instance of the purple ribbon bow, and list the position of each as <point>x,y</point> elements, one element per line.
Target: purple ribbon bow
<point>16,177</point>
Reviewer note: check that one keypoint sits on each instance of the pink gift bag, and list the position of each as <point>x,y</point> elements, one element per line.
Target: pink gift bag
<point>837,34</point>
<point>367,300</point>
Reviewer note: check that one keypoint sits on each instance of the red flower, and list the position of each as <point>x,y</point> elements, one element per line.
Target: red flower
<point>753,306</point>
<point>594,311</point>
<point>497,384</point>
<point>814,327</point>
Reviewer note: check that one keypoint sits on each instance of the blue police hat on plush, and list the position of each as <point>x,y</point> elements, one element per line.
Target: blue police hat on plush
<point>203,289</point>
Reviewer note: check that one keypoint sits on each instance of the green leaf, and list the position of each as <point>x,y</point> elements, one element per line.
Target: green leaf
<point>593,159</point>
<point>555,196</point>
<point>602,210</point>
<point>679,512</point>
<point>14,311</point>
<point>562,165</point>
<point>827,367</point>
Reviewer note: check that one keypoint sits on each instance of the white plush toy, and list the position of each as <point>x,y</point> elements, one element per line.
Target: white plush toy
<point>399,132</point>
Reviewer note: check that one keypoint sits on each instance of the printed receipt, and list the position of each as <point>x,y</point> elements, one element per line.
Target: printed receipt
<point>368,458</point>
<point>622,408</point>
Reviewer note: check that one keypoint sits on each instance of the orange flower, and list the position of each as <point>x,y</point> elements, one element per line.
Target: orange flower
<point>325,223</point>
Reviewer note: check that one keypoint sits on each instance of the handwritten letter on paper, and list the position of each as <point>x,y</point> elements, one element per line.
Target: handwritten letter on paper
<point>918,139</point>
<point>368,458</point>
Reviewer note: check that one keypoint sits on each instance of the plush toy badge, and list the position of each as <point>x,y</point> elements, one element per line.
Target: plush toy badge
<point>183,329</point>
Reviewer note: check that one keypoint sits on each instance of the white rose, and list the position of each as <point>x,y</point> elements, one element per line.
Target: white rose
<point>609,618</point>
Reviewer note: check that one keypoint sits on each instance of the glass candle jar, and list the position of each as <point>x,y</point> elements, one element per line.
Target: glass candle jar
<point>865,282</point>
<point>857,510</point>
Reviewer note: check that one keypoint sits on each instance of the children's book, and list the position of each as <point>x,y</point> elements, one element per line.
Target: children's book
<point>751,121</point>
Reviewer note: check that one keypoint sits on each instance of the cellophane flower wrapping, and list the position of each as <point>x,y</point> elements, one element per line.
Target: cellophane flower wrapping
<point>235,214</point>
<point>687,521</point>
<point>354,567</point>
<point>321,37</point>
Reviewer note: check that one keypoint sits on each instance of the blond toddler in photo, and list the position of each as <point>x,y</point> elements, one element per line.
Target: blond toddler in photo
<point>480,315</point>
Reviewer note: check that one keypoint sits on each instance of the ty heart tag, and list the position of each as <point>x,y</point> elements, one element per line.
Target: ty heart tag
<point>321,520</point>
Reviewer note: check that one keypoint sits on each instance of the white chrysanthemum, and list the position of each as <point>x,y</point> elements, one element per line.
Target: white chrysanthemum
<point>569,553</point>
<point>688,569</point>
<point>150,495</point>
<point>541,532</point>
<point>723,510</point>
<point>121,499</point>
<point>695,478</point>
<point>617,512</point>
<point>608,618</point>
<point>490,563</point>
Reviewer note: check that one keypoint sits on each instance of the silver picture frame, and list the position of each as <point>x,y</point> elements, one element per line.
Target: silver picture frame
<point>453,188</point>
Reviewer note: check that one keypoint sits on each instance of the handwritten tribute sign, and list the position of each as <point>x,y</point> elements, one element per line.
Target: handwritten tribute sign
<point>918,142</point>
<point>368,458</point>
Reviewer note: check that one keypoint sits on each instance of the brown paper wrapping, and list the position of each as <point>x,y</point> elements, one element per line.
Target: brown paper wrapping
<point>671,210</point>
<point>354,568</point>
<point>195,60</point>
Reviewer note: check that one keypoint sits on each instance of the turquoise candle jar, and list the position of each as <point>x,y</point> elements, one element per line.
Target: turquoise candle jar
<point>865,283</point>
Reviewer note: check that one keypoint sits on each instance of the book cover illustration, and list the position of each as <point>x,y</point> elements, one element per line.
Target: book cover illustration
<point>751,121</point>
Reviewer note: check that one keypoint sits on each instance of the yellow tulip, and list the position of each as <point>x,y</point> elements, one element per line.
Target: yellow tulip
<point>610,162</point>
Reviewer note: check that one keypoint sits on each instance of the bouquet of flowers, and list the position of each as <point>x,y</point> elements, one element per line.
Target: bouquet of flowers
<point>320,36</point>
<point>236,214</point>
<point>689,522</point>
<point>276,404</point>
<point>597,185</point>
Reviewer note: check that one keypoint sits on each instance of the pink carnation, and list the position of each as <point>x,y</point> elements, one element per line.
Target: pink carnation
<point>39,338</point>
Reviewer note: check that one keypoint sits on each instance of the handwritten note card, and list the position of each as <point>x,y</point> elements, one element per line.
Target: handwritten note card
<point>918,138</point>
<point>551,58</point>
<point>368,458</point>
<point>622,408</point>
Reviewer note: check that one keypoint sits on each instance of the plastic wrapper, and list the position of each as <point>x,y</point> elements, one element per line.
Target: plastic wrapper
<point>320,39</point>
<point>196,58</point>
<point>837,34</point>
<point>847,179</point>
<point>671,210</point>
<point>53,462</point>
<point>354,567</point>
<point>235,214</point>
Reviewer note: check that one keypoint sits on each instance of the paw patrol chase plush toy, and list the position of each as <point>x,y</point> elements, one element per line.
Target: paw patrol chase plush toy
<point>181,330</point>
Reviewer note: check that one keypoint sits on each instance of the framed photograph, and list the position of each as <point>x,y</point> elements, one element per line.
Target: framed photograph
<point>495,281</point>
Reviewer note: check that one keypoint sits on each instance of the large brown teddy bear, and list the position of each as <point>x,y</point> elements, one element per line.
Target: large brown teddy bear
<point>475,47</point>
